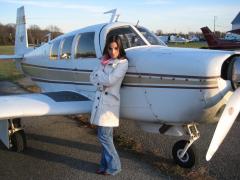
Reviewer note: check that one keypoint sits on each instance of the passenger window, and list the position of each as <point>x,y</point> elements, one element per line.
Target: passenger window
<point>67,48</point>
<point>54,50</point>
<point>85,46</point>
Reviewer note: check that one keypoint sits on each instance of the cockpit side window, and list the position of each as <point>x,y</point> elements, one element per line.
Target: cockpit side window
<point>85,46</point>
<point>128,36</point>
<point>66,48</point>
<point>54,50</point>
<point>151,37</point>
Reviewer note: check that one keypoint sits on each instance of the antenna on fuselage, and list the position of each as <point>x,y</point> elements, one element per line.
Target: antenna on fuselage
<point>137,23</point>
<point>117,16</point>
<point>113,12</point>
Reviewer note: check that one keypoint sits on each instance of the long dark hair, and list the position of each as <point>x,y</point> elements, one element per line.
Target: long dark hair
<point>118,41</point>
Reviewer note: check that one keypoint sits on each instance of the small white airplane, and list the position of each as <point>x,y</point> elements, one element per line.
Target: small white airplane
<point>166,90</point>
<point>178,39</point>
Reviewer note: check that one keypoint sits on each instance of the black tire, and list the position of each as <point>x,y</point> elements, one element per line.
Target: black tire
<point>18,140</point>
<point>188,160</point>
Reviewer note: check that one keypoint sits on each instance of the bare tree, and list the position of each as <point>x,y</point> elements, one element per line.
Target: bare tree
<point>54,30</point>
<point>36,35</point>
<point>159,32</point>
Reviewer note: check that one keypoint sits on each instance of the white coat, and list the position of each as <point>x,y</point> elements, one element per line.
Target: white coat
<point>108,79</point>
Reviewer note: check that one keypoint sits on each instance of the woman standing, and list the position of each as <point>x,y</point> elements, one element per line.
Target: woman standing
<point>105,113</point>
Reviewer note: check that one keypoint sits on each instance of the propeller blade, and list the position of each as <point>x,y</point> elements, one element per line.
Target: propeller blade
<point>225,123</point>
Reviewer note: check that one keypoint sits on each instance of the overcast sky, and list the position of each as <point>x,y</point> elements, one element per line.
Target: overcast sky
<point>168,15</point>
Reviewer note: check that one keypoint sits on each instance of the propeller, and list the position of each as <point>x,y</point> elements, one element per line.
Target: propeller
<point>225,123</point>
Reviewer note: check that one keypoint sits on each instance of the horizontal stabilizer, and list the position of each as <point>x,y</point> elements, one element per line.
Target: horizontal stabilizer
<point>51,103</point>
<point>8,57</point>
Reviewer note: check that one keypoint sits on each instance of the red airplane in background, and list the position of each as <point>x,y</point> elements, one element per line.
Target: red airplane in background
<point>216,43</point>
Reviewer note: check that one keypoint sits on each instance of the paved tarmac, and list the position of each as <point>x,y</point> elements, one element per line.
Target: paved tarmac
<point>224,165</point>
<point>63,148</point>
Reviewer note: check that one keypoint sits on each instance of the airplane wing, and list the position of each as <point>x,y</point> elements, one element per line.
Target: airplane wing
<point>8,57</point>
<point>50,103</point>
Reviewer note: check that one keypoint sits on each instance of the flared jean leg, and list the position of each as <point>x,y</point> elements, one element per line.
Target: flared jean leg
<point>103,162</point>
<point>110,159</point>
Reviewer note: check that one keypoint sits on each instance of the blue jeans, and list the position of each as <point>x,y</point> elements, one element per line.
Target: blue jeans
<point>110,161</point>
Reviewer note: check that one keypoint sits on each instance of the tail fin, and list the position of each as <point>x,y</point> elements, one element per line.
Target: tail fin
<point>209,36</point>
<point>21,40</point>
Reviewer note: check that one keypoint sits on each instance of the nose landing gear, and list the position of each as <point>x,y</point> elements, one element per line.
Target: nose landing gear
<point>183,151</point>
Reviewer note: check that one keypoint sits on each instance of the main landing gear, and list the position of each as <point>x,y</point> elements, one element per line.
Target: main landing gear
<point>182,151</point>
<point>17,137</point>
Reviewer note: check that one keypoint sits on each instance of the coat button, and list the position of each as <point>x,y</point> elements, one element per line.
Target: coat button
<point>98,98</point>
<point>98,84</point>
<point>106,93</point>
<point>96,75</point>
<point>96,107</point>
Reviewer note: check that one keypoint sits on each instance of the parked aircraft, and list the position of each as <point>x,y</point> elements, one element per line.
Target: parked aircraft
<point>166,90</point>
<point>193,38</point>
<point>215,43</point>
<point>178,39</point>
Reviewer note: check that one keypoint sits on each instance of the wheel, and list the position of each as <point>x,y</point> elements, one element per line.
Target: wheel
<point>18,140</point>
<point>188,160</point>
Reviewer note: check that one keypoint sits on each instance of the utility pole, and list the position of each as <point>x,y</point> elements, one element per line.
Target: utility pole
<point>214,23</point>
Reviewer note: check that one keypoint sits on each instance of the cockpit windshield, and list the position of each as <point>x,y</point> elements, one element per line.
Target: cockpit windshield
<point>152,38</point>
<point>128,36</point>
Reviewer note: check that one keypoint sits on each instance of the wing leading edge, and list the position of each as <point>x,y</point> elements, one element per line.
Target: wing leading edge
<point>8,57</point>
<point>51,103</point>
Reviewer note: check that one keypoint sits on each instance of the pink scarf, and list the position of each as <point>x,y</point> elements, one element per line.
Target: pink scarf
<point>105,60</point>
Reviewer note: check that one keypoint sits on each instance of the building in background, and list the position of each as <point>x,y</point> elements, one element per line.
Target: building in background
<point>236,22</point>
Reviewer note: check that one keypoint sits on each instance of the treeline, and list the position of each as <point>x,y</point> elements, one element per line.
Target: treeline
<point>36,35</point>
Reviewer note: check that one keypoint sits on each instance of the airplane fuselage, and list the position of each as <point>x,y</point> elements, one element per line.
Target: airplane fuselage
<point>157,75</point>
